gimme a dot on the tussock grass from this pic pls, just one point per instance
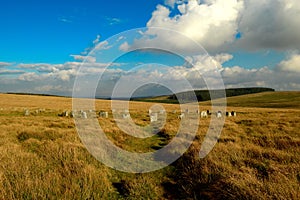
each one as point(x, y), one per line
point(256, 157)
point(286, 100)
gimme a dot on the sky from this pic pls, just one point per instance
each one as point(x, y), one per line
point(45, 46)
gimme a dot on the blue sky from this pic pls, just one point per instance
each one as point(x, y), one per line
point(42, 43)
point(49, 31)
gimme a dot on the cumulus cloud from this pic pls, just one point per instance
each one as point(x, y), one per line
point(41, 67)
point(223, 57)
point(95, 44)
point(51, 88)
point(270, 24)
point(292, 64)
point(102, 46)
point(201, 74)
point(261, 24)
point(63, 72)
point(11, 72)
point(263, 77)
point(205, 63)
point(65, 75)
point(210, 23)
point(5, 64)
point(90, 59)
point(170, 3)
point(30, 76)
point(124, 47)
point(229, 25)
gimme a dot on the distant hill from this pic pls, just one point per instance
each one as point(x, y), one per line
point(290, 100)
point(204, 95)
point(271, 99)
point(35, 94)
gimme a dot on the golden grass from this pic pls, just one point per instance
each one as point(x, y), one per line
point(42, 157)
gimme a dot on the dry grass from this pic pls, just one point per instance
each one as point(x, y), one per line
point(257, 156)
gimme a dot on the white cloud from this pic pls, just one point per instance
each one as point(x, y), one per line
point(45, 71)
point(96, 43)
point(50, 88)
point(270, 24)
point(292, 64)
point(205, 67)
point(60, 81)
point(124, 47)
point(64, 20)
point(113, 20)
point(260, 24)
point(64, 72)
point(5, 64)
point(65, 75)
point(120, 38)
point(89, 59)
point(97, 40)
point(263, 24)
point(49, 68)
point(30, 76)
point(11, 72)
point(170, 3)
point(212, 24)
point(102, 46)
point(223, 57)
point(41, 67)
point(263, 77)
point(205, 63)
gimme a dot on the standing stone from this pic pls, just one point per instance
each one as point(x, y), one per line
point(26, 113)
point(84, 115)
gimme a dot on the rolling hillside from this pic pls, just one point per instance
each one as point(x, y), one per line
point(203, 95)
point(289, 100)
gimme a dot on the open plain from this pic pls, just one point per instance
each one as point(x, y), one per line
point(256, 157)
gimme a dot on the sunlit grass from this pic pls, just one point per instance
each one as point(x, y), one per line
point(42, 157)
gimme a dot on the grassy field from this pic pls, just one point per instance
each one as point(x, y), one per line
point(256, 157)
point(205, 95)
point(267, 100)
